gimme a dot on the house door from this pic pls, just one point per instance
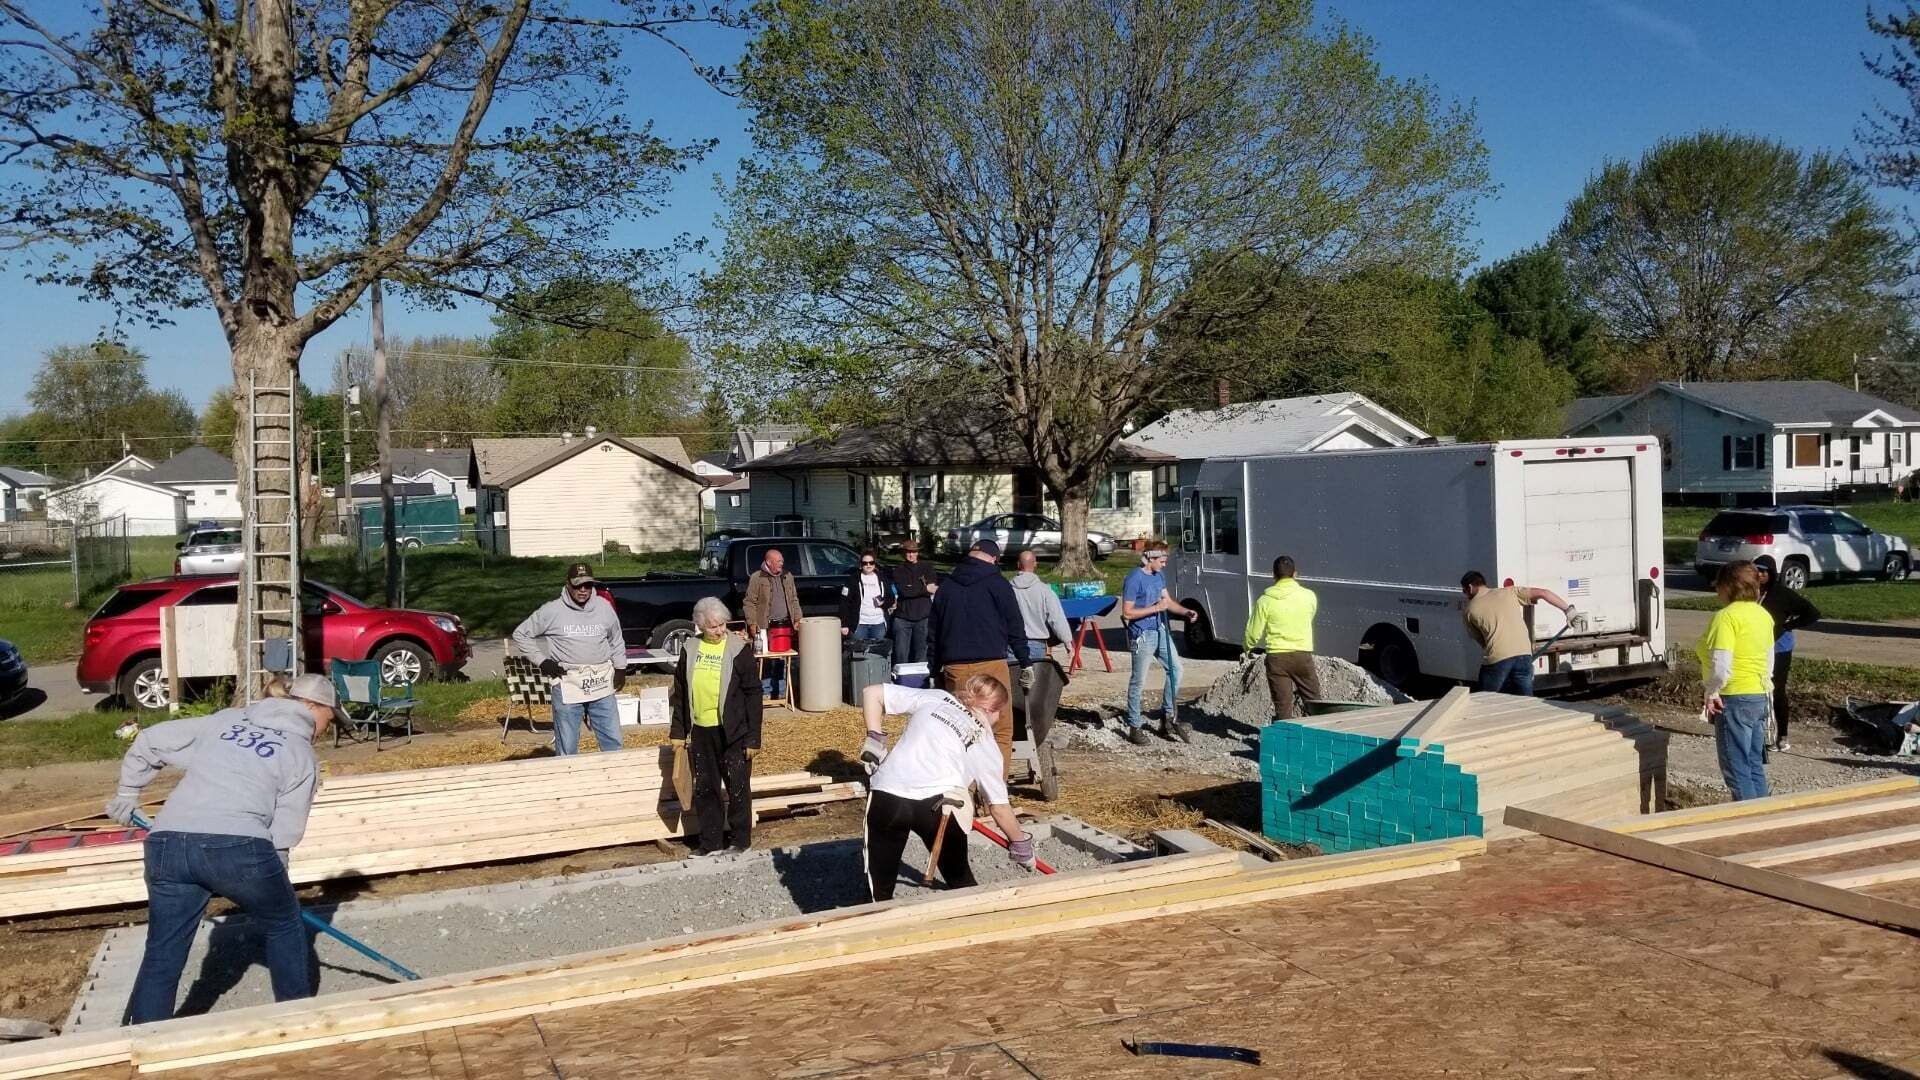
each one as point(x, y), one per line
point(1853, 455)
point(1027, 492)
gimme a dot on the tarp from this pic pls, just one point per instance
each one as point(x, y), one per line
point(433, 519)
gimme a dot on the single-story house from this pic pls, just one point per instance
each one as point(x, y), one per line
point(23, 492)
point(732, 503)
point(1317, 422)
point(150, 509)
point(444, 469)
point(205, 477)
point(1751, 442)
point(402, 489)
point(130, 465)
point(867, 481)
point(574, 494)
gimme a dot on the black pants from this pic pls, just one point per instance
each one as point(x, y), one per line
point(722, 795)
point(1782, 664)
point(890, 820)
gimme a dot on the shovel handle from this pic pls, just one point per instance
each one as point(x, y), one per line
point(993, 834)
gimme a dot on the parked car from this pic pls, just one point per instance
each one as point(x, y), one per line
point(656, 610)
point(209, 550)
point(1801, 543)
point(13, 673)
point(715, 548)
point(120, 653)
point(1015, 531)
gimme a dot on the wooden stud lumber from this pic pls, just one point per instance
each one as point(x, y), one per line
point(1807, 893)
point(1723, 811)
point(1833, 845)
point(1785, 819)
point(1426, 727)
point(1884, 874)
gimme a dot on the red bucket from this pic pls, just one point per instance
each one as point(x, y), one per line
point(779, 639)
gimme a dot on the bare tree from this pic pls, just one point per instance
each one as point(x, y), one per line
point(269, 159)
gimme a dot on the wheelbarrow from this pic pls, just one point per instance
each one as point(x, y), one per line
point(1036, 698)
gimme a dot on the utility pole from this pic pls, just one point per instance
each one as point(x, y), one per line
point(389, 534)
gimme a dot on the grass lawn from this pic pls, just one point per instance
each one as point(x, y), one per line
point(1817, 685)
point(1854, 601)
point(38, 612)
point(1898, 518)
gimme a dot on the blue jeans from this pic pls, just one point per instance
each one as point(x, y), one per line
point(1036, 650)
point(602, 713)
point(776, 678)
point(1740, 734)
point(869, 632)
point(909, 641)
point(1514, 675)
point(184, 870)
point(1155, 644)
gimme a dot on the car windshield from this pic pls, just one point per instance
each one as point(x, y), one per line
point(1736, 523)
point(214, 538)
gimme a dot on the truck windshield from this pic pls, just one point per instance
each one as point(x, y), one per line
point(1735, 523)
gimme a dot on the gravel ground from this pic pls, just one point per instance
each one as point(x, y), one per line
point(1823, 756)
point(224, 970)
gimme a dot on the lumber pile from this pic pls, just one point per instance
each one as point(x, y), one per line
point(384, 823)
point(1073, 901)
point(1435, 769)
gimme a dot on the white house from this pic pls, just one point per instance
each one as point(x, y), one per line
point(574, 494)
point(444, 469)
point(150, 510)
point(752, 443)
point(868, 481)
point(1316, 422)
point(23, 492)
point(130, 465)
point(205, 477)
point(1751, 442)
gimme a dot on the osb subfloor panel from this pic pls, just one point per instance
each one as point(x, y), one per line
point(1540, 960)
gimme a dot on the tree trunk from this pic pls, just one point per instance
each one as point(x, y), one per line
point(1074, 562)
point(389, 531)
point(266, 461)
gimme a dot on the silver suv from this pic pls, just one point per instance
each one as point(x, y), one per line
point(1801, 542)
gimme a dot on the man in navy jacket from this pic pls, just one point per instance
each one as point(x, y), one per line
point(976, 626)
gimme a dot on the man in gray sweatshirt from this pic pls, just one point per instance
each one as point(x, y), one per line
point(575, 640)
point(226, 830)
point(1042, 616)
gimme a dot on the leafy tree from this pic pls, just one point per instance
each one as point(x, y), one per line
point(87, 398)
point(268, 160)
point(1011, 198)
point(220, 421)
point(1712, 250)
point(627, 374)
point(1891, 136)
point(441, 389)
point(1528, 297)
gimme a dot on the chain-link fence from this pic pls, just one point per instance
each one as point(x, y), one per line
point(49, 559)
point(102, 555)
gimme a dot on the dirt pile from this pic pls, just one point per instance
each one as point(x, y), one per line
point(1242, 693)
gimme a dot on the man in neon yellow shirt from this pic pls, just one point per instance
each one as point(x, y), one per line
point(1282, 626)
point(716, 716)
point(1736, 670)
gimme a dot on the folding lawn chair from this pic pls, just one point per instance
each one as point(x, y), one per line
point(369, 702)
point(525, 686)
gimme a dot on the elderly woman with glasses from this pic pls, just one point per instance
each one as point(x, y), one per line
point(716, 716)
point(866, 600)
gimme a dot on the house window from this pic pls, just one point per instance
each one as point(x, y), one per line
point(1807, 453)
point(733, 500)
point(923, 487)
point(853, 490)
point(806, 487)
point(1743, 453)
point(1896, 447)
point(1114, 493)
point(1165, 479)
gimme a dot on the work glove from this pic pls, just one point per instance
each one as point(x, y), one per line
point(678, 744)
point(874, 750)
point(619, 678)
point(124, 804)
point(1576, 619)
point(551, 668)
point(1021, 852)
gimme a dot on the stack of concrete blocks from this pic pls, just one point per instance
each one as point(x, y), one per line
point(1347, 792)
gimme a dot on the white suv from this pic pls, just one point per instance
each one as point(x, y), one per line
point(1801, 542)
point(209, 551)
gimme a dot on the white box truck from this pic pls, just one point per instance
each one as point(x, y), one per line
point(1383, 537)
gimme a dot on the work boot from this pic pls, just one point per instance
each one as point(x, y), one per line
point(1176, 729)
point(1138, 735)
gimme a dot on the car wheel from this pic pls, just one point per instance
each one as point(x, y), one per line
point(403, 663)
point(409, 542)
point(1794, 575)
point(1895, 568)
point(143, 687)
point(672, 636)
point(1093, 552)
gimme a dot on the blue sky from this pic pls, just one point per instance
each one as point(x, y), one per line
point(1558, 86)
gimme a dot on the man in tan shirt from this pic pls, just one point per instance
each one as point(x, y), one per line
point(1497, 619)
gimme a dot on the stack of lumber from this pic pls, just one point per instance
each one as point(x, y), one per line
point(384, 823)
point(1073, 901)
point(1434, 769)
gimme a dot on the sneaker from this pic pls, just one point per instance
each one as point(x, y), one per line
point(1138, 736)
point(739, 849)
point(1176, 729)
point(1782, 746)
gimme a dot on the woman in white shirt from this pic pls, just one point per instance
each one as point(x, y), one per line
point(866, 600)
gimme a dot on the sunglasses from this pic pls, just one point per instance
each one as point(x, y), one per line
point(866, 562)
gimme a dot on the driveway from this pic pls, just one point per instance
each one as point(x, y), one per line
point(1889, 644)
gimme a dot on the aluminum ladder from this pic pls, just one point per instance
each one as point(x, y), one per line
point(270, 594)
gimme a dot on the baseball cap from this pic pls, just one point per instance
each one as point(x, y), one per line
point(987, 547)
point(580, 574)
point(319, 690)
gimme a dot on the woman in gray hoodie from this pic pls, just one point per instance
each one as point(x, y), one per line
point(226, 830)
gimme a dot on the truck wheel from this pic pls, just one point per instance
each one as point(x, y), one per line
point(1386, 652)
point(1200, 639)
point(1895, 568)
point(671, 635)
point(143, 687)
point(1794, 574)
point(403, 663)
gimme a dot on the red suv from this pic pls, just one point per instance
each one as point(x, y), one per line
point(121, 654)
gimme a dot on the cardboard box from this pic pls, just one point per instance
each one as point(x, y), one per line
point(647, 709)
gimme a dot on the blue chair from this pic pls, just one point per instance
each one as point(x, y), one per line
point(369, 702)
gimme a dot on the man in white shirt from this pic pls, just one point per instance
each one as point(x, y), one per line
point(947, 746)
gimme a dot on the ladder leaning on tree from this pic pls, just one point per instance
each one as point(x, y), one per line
point(270, 530)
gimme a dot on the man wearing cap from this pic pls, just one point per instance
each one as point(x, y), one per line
point(576, 641)
point(976, 626)
point(226, 830)
point(1145, 606)
point(914, 583)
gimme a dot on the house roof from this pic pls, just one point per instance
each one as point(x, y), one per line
point(447, 461)
point(893, 448)
point(127, 464)
point(1276, 426)
point(119, 478)
point(1582, 411)
point(194, 465)
point(25, 477)
point(1784, 402)
point(733, 483)
point(495, 461)
point(372, 491)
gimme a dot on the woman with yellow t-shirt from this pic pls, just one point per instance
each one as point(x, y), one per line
point(1736, 666)
point(716, 715)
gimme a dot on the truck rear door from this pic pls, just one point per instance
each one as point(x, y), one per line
point(1580, 542)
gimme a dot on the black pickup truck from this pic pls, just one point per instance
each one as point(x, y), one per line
point(656, 610)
